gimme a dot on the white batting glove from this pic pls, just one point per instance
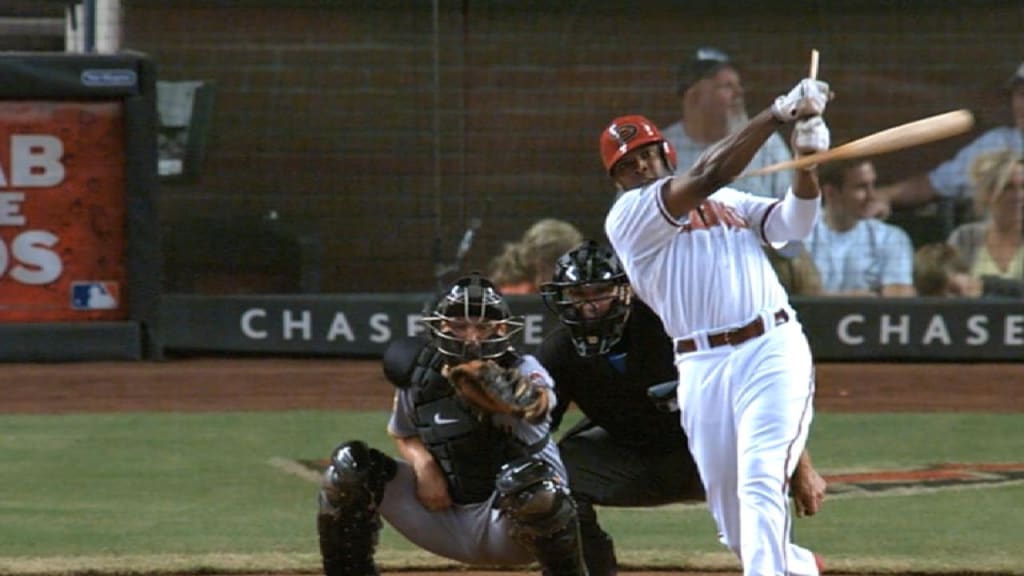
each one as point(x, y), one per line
point(810, 135)
point(808, 98)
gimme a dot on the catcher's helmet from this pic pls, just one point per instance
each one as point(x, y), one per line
point(472, 321)
point(627, 133)
point(592, 297)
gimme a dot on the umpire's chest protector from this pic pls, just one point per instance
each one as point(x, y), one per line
point(469, 449)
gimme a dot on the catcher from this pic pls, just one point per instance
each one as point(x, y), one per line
point(480, 480)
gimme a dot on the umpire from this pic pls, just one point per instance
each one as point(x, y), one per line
point(627, 450)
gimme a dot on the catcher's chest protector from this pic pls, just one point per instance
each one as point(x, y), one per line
point(470, 450)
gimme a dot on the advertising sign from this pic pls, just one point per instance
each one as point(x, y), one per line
point(62, 211)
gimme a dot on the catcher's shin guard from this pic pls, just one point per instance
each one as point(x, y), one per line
point(349, 520)
point(543, 515)
point(598, 548)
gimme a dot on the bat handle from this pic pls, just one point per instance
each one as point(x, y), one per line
point(812, 72)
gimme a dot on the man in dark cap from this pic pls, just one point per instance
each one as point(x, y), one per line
point(710, 93)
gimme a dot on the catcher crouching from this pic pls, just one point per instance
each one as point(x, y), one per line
point(480, 480)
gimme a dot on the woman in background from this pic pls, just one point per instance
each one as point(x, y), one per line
point(995, 245)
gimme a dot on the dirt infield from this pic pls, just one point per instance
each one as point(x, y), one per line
point(288, 384)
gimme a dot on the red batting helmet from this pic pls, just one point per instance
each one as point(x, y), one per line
point(627, 133)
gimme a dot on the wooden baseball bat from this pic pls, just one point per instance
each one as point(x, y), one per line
point(899, 137)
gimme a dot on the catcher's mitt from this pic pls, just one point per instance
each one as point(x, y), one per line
point(496, 390)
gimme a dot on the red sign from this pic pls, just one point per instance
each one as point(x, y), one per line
point(62, 212)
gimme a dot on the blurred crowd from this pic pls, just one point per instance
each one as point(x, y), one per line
point(863, 243)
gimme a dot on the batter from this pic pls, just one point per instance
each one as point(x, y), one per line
point(693, 249)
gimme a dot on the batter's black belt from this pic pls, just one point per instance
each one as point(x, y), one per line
point(736, 336)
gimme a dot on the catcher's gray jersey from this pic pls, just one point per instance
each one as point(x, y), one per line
point(471, 533)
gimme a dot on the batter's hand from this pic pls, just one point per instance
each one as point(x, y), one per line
point(808, 490)
point(431, 486)
point(810, 135)
point(808, 98)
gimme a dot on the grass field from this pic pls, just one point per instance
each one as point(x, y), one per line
point(201, 491)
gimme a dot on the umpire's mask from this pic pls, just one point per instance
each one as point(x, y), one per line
point(591, 295)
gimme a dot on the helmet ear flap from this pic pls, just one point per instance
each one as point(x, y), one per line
point(669, 154)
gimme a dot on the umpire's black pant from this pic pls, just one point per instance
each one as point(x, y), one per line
point(608, 472)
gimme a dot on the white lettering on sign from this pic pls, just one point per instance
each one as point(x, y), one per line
point(937, 331)
point(533, 329)
point(33, 261)
point(290, 323)
point(977, 329)
point(845, 327)
point(248, 318)
point(10, 209)
point(414, 326)
point(380, 326)
point(1014, 330)
point(340, 327)
point(898, 326)
point(35, 162)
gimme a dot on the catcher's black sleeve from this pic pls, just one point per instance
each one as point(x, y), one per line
point(401, 358)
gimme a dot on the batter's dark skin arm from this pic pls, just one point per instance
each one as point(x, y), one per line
point(808, 487)
point(719, 166)
point(805, 184)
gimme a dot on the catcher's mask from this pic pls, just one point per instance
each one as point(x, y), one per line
point(591, 295)
point(472, 321)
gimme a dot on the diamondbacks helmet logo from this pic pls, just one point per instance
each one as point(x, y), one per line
point(627, 133)
point(472, 321)
point(592, 297)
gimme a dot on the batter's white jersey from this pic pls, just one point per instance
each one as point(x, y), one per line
point(746, 408)
point(704, 272)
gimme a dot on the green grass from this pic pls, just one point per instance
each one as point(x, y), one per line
point(185, 491)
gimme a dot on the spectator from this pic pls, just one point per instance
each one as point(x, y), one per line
point(524, 265)
point(995, 246)
point(710, 94)
point(797, 271)
point(510, 272)
point(940, 270)
point(858, 256)
point(950, 179)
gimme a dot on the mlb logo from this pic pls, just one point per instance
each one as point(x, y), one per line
point(94, 295)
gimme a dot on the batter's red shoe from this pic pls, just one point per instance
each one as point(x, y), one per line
point(820, 562)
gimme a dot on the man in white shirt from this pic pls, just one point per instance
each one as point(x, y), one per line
point(710, 91)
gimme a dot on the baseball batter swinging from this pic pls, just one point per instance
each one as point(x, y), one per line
point(693, 248)
point(481, 481)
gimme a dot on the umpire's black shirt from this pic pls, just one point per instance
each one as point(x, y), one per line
point(617, 400)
